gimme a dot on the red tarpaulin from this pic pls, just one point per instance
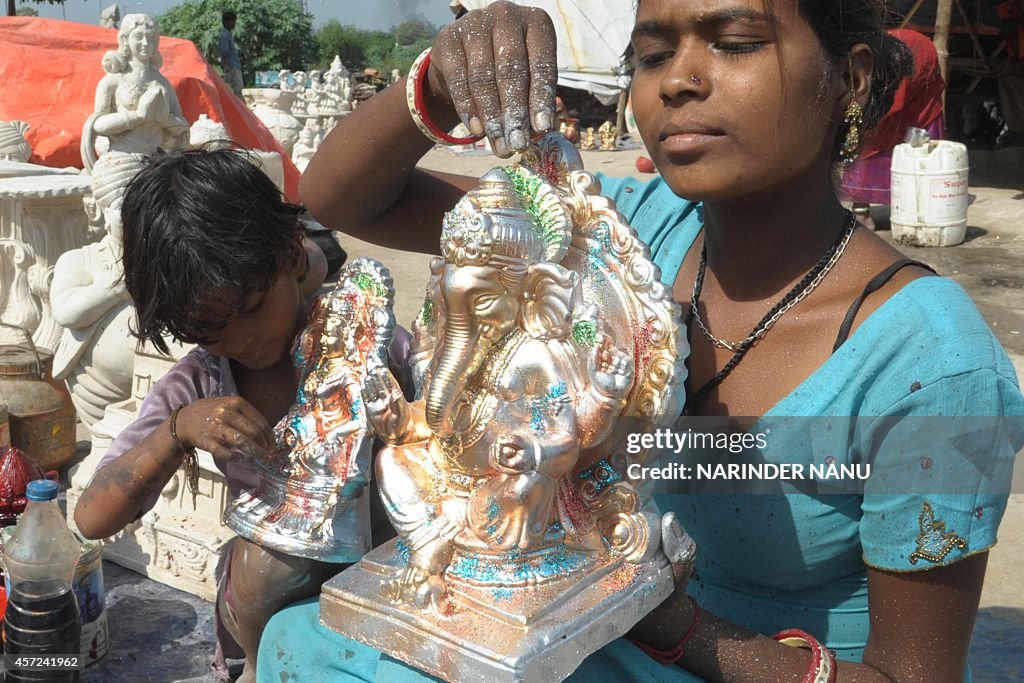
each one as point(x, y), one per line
point(49, 70)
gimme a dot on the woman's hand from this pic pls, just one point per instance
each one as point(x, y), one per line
point(667, 623)
point(497, 66)
point(229, 427)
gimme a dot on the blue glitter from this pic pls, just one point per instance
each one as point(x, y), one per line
point(403, 551)
point(503, 594)
point(602, 473)
point(517, 568)
point(541, 407)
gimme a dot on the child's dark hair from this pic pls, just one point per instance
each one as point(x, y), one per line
point(227, 17)
point(198, 225)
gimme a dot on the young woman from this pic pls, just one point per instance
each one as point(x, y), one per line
point(747, 107)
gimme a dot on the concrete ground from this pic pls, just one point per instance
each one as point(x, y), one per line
point(175, 640)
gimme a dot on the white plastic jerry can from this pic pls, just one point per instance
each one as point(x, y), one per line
point(929, 193)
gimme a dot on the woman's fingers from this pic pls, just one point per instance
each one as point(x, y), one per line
point(678, 546)
point(542, 52)
point(449, 59)
point(512, 73)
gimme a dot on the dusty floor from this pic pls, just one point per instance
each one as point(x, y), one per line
point(160, 634)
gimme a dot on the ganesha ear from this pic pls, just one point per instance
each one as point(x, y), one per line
point(549, 296)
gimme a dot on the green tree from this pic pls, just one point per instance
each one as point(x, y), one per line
point(410, 32)
point(270, 34)
point(27, 11)
point(355, 46)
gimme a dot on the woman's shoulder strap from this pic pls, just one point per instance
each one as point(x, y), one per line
point(873, 285)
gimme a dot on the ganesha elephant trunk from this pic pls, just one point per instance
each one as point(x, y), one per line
point(459, 358)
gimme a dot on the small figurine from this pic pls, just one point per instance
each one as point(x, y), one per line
point(609, 136)
point(311, 499)
point(588, 143)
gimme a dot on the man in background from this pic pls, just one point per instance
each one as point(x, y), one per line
point(229, 62)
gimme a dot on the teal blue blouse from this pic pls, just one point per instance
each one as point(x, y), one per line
point(896, 394)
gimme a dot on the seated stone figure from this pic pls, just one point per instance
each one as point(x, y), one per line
point(136, 109)
point(88, 297)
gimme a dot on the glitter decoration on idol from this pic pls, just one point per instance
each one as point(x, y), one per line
point(523, 544)
point(312, 498)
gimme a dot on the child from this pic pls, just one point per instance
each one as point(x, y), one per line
point(748, 107)
point(212, 256)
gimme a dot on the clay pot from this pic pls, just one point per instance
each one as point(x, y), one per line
point(42, 419)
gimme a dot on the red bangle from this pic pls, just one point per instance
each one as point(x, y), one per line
point(416, 99)
point(823, 662)
point(672, 656)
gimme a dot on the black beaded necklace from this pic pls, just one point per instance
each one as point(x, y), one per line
point(811, 280)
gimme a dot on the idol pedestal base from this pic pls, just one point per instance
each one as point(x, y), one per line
point(496, 634)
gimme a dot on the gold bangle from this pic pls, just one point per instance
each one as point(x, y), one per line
point(191, 461)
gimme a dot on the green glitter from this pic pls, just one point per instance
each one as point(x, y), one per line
point(369, 284)
point(584, 332)
point(528, 187)
point(427, 311)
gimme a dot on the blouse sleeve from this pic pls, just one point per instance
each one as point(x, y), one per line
point(941, 463)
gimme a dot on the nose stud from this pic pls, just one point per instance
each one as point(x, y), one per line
point(697, 80)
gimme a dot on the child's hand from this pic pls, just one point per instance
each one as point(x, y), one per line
point(229, 427)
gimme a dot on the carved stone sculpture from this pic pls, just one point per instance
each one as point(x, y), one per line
point(507, 480)
point(89, 299)
point(110, 16)
point(40, 218)
point(137, 110)
point(13, 145)
point(306, 146)
point(273, 108)
point(284, 77)
point(311, 500)
point(299, 108)
point(208, 134)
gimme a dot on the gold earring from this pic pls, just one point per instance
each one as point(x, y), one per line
point(853, 120)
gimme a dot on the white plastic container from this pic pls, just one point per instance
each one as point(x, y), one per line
point(929, 193)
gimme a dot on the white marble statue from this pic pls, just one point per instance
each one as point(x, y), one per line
point(273, 108)
point(299, 86)
point(284, 77)
point(306, 146)
point(110, 16)
point(137, 109)
point(88, 297)
point(312, 92)
point(13, 145)
point(208, 134)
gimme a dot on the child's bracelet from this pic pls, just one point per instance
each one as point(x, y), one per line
point(415, 88)
point(191, 461)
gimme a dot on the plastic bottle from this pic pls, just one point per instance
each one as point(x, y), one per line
point(42, 617)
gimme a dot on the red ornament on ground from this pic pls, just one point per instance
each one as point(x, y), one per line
point(644, 165)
